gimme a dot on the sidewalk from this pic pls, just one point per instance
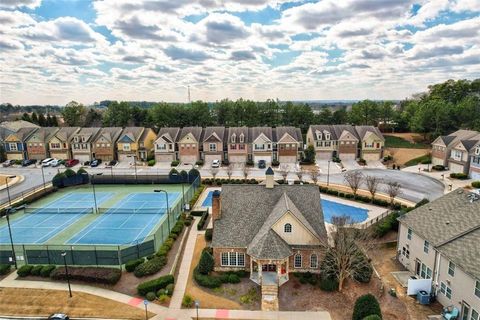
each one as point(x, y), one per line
point(442, 176)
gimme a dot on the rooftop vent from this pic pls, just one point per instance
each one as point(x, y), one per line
point(473, 197)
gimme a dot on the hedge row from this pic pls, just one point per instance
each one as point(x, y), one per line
point(150, 267)
point(364, 199)
point(476, 184)
point(132, 264)
point(37, 270)
point(459, 176)
point(154, 285)
point(5, 269)
point(88, 274)
point(219, 182)
point(208, 234)
point(202, 221)
point(196, 195)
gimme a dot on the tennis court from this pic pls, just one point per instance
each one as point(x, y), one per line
point(41, 224)
point(129, 221)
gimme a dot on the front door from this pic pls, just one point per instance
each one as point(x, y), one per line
point(417, 267)
point(465, 310)
point(269, 267)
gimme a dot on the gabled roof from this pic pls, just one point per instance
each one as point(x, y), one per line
point(212, 134)
point(195, 131)
point(110, 134)
point(238, 131)
point(44, 133)
point(339, 129)
point(170, 135)
point(469, 144)
point(363, 130)
point(295, 133)
point(132, 133)
point(458, 135)
point(23, 133)
point(255, 132)
point(66, 133)
point(447, 139)
point(322, 129)
point(14, 126)
point(269, 246)
point(257, 208)
point(145, 134)
point(87, 132)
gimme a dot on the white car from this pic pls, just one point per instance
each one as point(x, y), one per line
point(216, 164)
point(55, 163)
point(47, 162)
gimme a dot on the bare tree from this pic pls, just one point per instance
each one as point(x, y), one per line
point(394, 189)
point(354, 180)
point(214, 172)
point(372, 185)
point(284, 170)
point(314, 174)
point(230, 171)
point(246, 172)
point(300, 173)
point(345, 256)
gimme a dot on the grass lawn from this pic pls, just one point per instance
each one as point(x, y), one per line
point(43, 302)
point(398, 142)
point(422, 159)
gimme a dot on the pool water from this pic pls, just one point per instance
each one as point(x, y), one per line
point(330, 209)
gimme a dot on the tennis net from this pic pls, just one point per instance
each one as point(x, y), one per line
point(33, 210)
point(132, 210)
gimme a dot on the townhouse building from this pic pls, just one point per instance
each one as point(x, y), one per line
point(105, 144)
point(372, 142)
point(262, 141)
point(60, 144)
point(461, 154)
point(38, 143)
point(439, 241)
point(15, 143)
point(136, 143)
point(82, 144)
point(213, 145)
point(189, 144)
point(288, 144)
point(442, 145)
point(475, 162)
point(166, 145)
point(238, 145)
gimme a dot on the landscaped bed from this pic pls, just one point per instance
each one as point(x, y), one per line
point(42, 302)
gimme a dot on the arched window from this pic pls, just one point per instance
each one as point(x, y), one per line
point(287, 228)
point(313, 261)
point(297, 263)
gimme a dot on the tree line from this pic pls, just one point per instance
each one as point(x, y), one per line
point(40, 119)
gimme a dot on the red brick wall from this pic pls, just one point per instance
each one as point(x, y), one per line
point(216, 208)
point(306, 253)
point(284, 151)
point(217, 256)
point(347, 148)
point(191, 151)
point(438, 154)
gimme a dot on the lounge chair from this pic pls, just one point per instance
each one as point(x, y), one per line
point(450, 313)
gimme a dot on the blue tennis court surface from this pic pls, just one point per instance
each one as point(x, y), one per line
point(43, 224)
point(130, 221)
point(335, 209)
point(208, 200)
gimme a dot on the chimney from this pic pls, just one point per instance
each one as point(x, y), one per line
point(269, 178)
point(216, 209)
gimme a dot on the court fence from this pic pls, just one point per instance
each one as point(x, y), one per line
point(100, 255)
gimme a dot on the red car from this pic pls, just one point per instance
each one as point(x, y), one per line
point(71, 163)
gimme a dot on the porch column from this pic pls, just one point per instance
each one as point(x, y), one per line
point(279, 271)
point(259, 267)
point(251, 265)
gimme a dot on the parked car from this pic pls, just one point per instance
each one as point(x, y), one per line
point(216, 163)
point(71, 163)
point(59, 316)
point(56, 162)
point(112, 163)
point(8, 163)
point(262, 164)
point(47, 162)
point(95, 163)
point(28, 162)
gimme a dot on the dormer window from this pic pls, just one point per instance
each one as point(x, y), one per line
point(477, 151)
point(319, 135)
point(242, 138)
point(287, 228)
point(327, 136)
point(234, 138)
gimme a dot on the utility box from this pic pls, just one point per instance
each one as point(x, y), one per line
point(423, 297)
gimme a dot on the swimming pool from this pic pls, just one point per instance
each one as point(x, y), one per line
point(335, 209)
point(330, 209)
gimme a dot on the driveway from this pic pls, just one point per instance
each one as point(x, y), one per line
point(323, 166)
point(351, 164)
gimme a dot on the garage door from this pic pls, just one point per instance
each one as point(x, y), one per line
point(437, 162)
point(371, 156)
point(268, 159)
point(347, 156)
point(188, 159)
point(14, 156)
point(59, 155)
point(455, 167)
point(237, 159)
point(164, 158)
point(210, 157)
point(82, 157)
point(475, 175)
point(124, 158)
point(324, 155)
point(287, 159)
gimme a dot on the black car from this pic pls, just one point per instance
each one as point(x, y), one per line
point(28, 162)
point(95, 163)
point(262, 164)
point(58, 316)
point(112, 163)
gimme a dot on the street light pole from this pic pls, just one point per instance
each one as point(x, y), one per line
point(7, 215)
point(135, 167)
point(8, 189)
point(197, 305)
point(183, 190)
point(168, 208)
point(43, 176)
point(328, 173)
point(64, 255)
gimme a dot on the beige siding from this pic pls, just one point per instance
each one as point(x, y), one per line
point(299, 235)
point(415, 246)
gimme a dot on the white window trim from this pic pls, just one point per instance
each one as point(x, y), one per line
point(409, 234)
point(451, 267)
point(295, 261)
point(313, 255)
point(14, 144)
point(287, 228)
point(232, 256)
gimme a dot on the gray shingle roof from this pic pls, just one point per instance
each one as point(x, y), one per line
point(322, 129)
point(111, 134)
point(363, 130)
point(255, 132)
point(209, 131)
point(269, 246)
point(195, 131)
point(44, 133)
point(469, 144)
point(339, 129)
point(292, 131)
point(133, 133)
point(23, 133)
point(249, 211)
point(458, 135)
point(171, 134)
point(87, 132)
point(66, 133)
point(238, 131)
point(17, 125)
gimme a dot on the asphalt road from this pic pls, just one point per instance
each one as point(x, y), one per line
point(415, 186)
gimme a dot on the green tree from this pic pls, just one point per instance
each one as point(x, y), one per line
point(365, 112)
point(309, 154)
point(26, 117)
point(93, 118)
point(74, 114)
point(42, 122)
point(34, 118)
point(54, 121)
point(340, 116)
point(206, 263)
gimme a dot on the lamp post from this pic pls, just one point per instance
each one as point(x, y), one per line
point(168, 208)
point(197, 305)
point(43, 176)
point(64, 255)
point(7, 216)
point(8, 189)
point(145, 302)
point(183, 190)
point(328, 173)
point(93, 187)
point(135, 166)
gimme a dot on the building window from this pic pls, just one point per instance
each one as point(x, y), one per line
point(224, 259)
point(233, 138)
point(242, 138)
point(475, 315)
point(233, 147)
point(451, 268)
point(313, 261)
point(425, 272)
point(259, 147)
point(426, 245)
point(233, 259)
point(287, 228)
point(457, 155)
point(477, 288)
point(161, 146)
point(212, 147)
point(406, 252)
point(13, 147)
point(297, 261)
point(126, 147)
point(446, 290)
point(241, 260)
point(409, 234)
point(241, 147)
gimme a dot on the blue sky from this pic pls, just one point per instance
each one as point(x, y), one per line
point(57, 51)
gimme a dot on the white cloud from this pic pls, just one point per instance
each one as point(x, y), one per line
point(13, 4)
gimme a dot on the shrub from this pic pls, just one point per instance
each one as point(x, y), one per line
point(174, 163)
point(438, 167)
point(188, 222)
point(88, 274)
point(328, 283)
point(150, 267)
point(187, 301)
point(24, 270)
point(57, 180)
point(365, 306)
point(202, 221)
point(161, 292)
point(47, 270)
point(388, 223)
point(5, 269)
point(476, 184)
point(154, 285)
point(36, 270)
point(151, 163)
point(70, 173)
point(150, 296)
point(459, 176)
point(205, 280)
point(372, 317)
point(163, 298)
point(132, 264)
point(250, 163)
point(233, 278)
point(169, 289)
point(422, 202)
point(206, 263)
point(275, 163)
point(208, 234)
point(199, 163)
